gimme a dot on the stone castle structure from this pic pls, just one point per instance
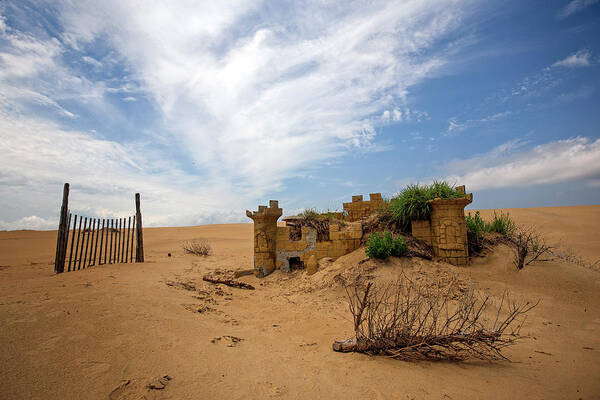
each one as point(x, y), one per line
point(276, 247)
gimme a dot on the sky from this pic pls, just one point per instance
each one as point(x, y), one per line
point(211, 108)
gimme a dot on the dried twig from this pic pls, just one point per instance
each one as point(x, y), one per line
point(228, 282)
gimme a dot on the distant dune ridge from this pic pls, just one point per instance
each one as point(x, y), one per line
point(156, 329)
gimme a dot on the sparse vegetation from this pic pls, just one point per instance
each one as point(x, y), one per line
point(413, 202)
point(529, 246)
point(411, 321)
point(502, 224)
point(477, 227)
point(197, 247)
point(317, 220)
point(382, 245)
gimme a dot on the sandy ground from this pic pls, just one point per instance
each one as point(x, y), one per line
point(110, 331)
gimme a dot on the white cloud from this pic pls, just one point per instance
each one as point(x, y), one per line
point(30, 222)
point(37, 158)
point(574, 6)
point(303, 79)
point(583, 58)
point(255, 95)
point(129, 99)
point(510, 165)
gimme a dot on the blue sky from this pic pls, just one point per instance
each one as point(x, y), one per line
point(210, 109)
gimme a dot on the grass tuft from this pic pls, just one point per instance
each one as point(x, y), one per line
point(413, 202)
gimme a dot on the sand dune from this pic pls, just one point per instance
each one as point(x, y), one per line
point(115, 331)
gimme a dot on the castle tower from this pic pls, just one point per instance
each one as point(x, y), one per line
point(446, 230)
point(265, 237)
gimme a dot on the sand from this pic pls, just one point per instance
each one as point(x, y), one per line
point(111, 331)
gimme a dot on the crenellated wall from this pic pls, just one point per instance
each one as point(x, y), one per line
point(360, 208)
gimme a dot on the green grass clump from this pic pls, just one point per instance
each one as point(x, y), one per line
point(382, 245)
point(502, 224)
point(477, 227)
point(413, 202)
point(476, 223)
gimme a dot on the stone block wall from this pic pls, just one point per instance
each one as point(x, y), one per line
point(360, 208)
point(422, 230)
point(449, 230)
point(342, 240)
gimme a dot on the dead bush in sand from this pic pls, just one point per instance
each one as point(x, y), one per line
point(410, 321)
point(528, 246)
point(197, 247)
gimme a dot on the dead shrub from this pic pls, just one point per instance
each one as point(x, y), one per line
point(529, 246)
point(197, 247)
point(411, 321)
point(312, 219)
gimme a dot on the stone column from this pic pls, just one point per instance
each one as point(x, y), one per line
point(449, 230)
point(265, 237)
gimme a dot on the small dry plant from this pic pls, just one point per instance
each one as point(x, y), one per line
point(529, 246)
point(411, 321)
point(197, 247)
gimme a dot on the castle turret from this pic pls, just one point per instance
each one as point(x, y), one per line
point(265, 237)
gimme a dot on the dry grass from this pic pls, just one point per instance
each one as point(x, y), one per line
point(197, 247)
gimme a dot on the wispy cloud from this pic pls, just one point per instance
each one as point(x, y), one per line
point(253, 94)
point(582, 58)
point(574, 6)
point(455, 126)
point(513, 165)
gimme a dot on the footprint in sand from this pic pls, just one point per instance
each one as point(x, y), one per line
point(137, 389)
point(233, 341)
point(96, 368)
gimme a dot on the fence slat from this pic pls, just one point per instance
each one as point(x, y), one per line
point(116, 246)
point(87, 243)
point(72, 241)
point(122, 242)
point(59, 263)
point(82, 244)
point(93, 232)
point(132, 236)
point(77, 245)
point(106, 243)
point(119, 241)
point(96, 244)
point(139, 255)
point(66, 243)
point(101, 243)
point(113, 241)
point(128, 231)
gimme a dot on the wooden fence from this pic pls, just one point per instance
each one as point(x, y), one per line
point(85, 241)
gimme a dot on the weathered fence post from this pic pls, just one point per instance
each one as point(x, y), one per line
point(61, 242)
point(139, 254)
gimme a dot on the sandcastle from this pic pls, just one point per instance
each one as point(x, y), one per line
point(276, 247)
